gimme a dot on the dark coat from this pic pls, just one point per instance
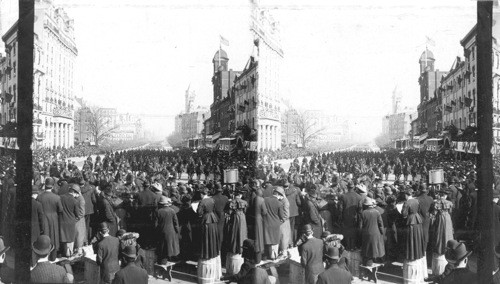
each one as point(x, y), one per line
point(293, 196)
point(425, 202)
point(312, 216)
point(67, 220)
point(46, 272)
point(311, 258)
point(52, 207)
point(38, 220)
point(220, 203)
point(460, 276)
point(372, 234)
point(107, 214)
point(90, 195)
point(335, 274)
point(350, 201)
point(167, 226)
point(272, 220)
point(259, 209)
point(63, 188)
point(107, 257)
point(210, 246)
point(131, 274)
point(249, 274)
point(414, 233)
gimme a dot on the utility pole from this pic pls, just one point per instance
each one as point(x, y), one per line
point(485, 246)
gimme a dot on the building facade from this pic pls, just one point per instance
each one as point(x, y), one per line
point(54, 64)
point(245, 95)
point(9, 99)
point(222, 117)
point(289, 132)
point(270, 56)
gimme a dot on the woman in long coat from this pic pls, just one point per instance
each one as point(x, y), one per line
point(372, 233)
point(188, 223)
point(442, 226)
point(259, 210)
point(414, 232)
point(209, 231)
point(236, 228)
point(167, 226)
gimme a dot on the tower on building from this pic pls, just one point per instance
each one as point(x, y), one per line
point(397, 95)
point(220, 61)
point(426, 61)
point(190, 97)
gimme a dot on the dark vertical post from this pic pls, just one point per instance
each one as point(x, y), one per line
point(485, 126)
point(24, 163)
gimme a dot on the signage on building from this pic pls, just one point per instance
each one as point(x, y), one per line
point(465, 147)
point(9, 143)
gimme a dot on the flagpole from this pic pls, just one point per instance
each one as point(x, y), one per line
point(220, 47)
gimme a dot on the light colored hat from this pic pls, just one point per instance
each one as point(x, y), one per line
point(165, 201)
point(361, 187)
point(157, 186)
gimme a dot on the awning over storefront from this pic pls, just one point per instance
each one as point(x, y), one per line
point(215, 137)
point(423, 137)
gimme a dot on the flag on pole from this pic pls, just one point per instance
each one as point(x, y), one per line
point(430, 41)
point(224, 41)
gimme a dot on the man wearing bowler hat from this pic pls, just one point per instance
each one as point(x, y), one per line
point(249, 273)
point(107, 253)
point(130, 273)
point(45, 271)
point(334, 273)
point(311, 255)
point(457, 255)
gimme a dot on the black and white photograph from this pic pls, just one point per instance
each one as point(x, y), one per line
point(249, 141)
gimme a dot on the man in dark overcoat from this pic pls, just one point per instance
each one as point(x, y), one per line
point(311, 213)
point(52, 207)
point(350, 201)
point(220, 203)
point(147, 202)
point(106, 211)
point(38, 223)
point(107, 253)
point(45, 271)
point(311, 255)
point(130, 273)
point(293, 196)
point(90, 195)
point(425, 202)
point(68, 219)
point(272, 222)
point(334, 273)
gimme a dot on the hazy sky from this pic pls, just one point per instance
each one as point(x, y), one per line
point(343, 56)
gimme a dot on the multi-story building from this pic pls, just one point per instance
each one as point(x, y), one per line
point(245, 95)
point(8, 108)
point(269, 56)
point(54, 63)
point(127, 128)
point(289, 132)
point(193, 124)
point(459, 88)
point(330, 128)
point(428, 122)
point(222, 118)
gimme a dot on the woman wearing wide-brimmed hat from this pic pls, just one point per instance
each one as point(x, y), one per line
point(442, 225)
point(167, 226)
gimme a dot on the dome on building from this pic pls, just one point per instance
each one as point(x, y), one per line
point(429, 55)
point(223, 55)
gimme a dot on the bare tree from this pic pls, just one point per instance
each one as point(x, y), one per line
point(101, 126)
point(307, 128)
